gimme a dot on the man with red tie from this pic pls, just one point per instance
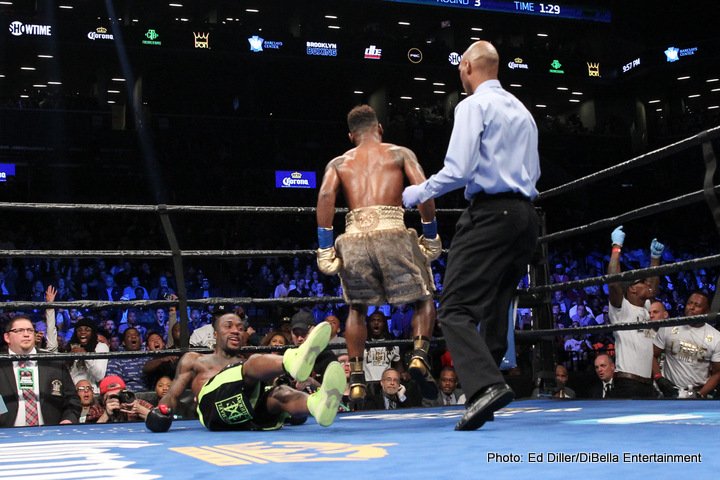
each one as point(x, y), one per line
point(35, 393)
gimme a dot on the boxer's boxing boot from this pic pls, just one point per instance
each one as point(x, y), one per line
point(299, 362)
point(358, 386)
point(419, 368)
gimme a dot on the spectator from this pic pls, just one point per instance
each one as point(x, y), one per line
point(162, 288)
point(275, 338)
point(162, 385)
point(115, 343)
point(90, 409)
point(561, 388)
point(159, 322)
point(203, 337)
point(109, 290)
point(158, 367)
point(283, 288)
point(692, 354)
point(560, 318)
point(35, 393)
point(449, 393)
point(583, 316)
point(379, 359)
point(605, 370)
point(633, 347)
point(658, 311)
point(85, 339)
point(205, 290)
point(392, 394)
point(118, 405)
point(130, 368)
point(131, 291)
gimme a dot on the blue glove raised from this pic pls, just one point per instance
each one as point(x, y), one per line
point(618, 236)
point(413, 195)
point(656, 248)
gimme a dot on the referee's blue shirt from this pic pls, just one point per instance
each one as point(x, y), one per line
point(493, 147)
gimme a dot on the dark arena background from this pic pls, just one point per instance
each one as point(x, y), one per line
point(180, 146)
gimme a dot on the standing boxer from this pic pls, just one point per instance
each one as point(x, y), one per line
point(378, 259)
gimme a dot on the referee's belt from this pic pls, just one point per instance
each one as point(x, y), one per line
point(483, 197)
point(632, 376)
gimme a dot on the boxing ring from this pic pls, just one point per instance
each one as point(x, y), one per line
point(529, 439)
point(533, 437)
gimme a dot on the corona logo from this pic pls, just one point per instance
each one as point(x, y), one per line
point(296, 175)
point(518, 63)
point(100, 33)
point(593, 69)
point(202, 40)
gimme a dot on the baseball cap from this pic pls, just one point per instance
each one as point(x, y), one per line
point(111, 382)
point(303, 320)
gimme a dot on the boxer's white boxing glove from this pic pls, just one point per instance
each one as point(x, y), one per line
point(429, 242)
point(328, 261)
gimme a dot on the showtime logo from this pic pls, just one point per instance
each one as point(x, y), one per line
point(19, 28)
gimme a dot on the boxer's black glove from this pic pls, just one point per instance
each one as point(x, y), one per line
point(159, 419)
point(666, 387)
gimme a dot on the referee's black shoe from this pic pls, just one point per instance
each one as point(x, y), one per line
point(484, 404)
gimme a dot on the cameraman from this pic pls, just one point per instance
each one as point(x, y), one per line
point(119, 403)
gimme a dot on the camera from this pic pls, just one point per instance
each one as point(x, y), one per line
point(124, 396)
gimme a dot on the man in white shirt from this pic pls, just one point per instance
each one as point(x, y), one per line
point(633, 374)
point(692, 354)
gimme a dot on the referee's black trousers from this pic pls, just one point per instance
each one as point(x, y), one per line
point(493, 244)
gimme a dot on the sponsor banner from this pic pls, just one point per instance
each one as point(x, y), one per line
point(18, 28)
point(6, 170)
point(322, 49)
point(294, 179)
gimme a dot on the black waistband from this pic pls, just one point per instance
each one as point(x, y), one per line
point(482, 196)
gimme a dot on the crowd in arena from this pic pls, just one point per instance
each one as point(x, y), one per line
point(155, 328)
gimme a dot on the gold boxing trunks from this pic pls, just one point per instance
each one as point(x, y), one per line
point(382, 262)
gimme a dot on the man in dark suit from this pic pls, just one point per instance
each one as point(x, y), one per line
point(109, 290)
point(392, 394)
point(605, 369)
point(34, 392)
